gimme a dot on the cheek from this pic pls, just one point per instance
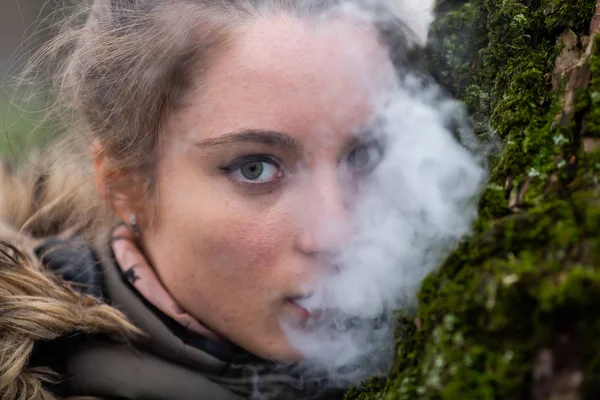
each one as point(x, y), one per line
point(245, 242)
point(213, 246)
point(226, 240)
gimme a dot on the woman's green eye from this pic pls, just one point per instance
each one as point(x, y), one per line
point(256, 171)
point(365, 157)
point(252, 170)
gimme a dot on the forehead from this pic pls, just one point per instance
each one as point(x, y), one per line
point(286, 75)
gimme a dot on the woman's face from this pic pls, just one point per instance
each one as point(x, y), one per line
point(257, 174)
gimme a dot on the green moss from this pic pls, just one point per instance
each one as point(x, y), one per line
point(497, 301)
point(368, 390)
point(562, 14)
point(493, 203)
point(530, 280)
point(503, 72)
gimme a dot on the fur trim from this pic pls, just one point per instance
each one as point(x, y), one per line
point(34, 305)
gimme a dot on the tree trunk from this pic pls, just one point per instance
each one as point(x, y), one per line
point(514, 313)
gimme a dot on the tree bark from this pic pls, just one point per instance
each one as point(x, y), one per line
point(514, 313)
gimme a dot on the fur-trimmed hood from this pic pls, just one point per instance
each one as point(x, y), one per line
point(37, 307)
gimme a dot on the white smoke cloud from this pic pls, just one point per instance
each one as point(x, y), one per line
point(411, 212)
point(417, 14)
point(416, 205)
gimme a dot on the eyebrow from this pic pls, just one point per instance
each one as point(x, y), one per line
point(271, 138)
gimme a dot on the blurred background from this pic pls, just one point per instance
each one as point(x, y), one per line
point(24, 25)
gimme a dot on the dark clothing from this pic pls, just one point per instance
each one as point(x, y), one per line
point(170, 363)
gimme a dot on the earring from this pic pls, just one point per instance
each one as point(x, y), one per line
point(134, 224)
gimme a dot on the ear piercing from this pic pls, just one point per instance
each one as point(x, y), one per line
point(133, 223)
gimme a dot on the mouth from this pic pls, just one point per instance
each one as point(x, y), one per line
point(308, 315)
point(305, 310)
point(311, 318)
point(301, 312)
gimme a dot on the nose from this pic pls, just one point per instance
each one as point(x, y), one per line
point(325, 216)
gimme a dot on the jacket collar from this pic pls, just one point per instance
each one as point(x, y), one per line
point(224, 363)
point(182, 356)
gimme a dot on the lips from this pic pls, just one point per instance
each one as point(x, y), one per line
point(330, 319)
point(310, 310)
point(310, 317)
point(298, 308)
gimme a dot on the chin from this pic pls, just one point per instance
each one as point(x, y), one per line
point(279, 350)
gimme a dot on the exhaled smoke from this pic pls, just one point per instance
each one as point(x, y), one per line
point(411, 211)
point(417, 14)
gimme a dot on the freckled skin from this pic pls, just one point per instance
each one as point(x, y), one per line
point(232, 256)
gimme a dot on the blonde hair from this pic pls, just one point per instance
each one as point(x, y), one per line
point(117, 70)
point(36, 306)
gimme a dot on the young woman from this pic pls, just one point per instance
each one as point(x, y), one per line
point(180, 213)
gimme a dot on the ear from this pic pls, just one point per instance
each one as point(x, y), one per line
point(107, 180)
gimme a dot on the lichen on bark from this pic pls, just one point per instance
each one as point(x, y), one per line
point(514, 312)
